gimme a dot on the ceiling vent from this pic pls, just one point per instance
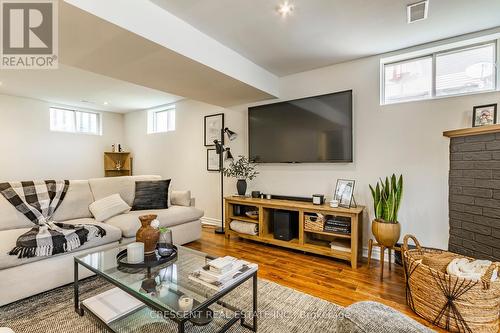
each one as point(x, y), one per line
point(417, 11)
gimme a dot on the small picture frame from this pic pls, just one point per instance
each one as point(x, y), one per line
point(212, 160)
point(344, 191)
point(213, 126)
point(484, 115)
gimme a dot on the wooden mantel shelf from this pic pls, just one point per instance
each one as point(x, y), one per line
point(473, 131)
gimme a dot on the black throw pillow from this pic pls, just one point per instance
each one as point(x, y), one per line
point(151, 195)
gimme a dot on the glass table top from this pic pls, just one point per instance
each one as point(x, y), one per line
point(165, 284)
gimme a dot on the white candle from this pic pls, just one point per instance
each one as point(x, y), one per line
point(334, 203)
point(135, 253)
point(185, 303)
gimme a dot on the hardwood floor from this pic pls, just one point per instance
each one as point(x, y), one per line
point(326, 278)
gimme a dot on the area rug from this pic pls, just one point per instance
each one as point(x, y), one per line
point(280, 309)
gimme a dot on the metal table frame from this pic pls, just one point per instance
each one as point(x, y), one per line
point(172, 315)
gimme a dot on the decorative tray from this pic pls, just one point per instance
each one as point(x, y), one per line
point(151, 260)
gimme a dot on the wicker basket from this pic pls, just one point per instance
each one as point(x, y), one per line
point(314, 223)
point(450, 302)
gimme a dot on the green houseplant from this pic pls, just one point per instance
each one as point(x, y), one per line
point(387, 196)
point(241, 169)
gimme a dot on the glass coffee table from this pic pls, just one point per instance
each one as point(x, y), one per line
point(170, 283)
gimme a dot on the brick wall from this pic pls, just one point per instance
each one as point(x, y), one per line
point(474, 196)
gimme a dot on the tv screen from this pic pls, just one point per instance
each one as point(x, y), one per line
point(307, 130)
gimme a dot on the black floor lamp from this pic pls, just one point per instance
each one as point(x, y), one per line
point(220, 149)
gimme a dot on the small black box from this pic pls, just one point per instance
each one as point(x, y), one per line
point(285, 224)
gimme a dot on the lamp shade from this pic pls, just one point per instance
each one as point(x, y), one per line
point(230, 134)
point(229, 156)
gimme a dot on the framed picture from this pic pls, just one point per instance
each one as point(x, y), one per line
point(214, 124)
point(344, 192)
point(212, 160)
point(484, 115)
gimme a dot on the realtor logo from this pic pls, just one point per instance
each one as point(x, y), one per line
point(29, 34)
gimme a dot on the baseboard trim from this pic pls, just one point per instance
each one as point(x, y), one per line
point(211, 221)
point(376, 254)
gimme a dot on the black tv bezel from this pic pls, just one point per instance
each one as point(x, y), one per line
point(351, 160)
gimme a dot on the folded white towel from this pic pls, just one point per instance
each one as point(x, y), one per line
point(472, 270)
point(245, 227)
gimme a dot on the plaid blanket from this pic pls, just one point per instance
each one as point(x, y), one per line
point(38, 201)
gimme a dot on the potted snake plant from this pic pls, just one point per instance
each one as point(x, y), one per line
point(387, 196)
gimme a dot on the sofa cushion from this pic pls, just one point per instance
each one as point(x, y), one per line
point(151, 194)
point(175, 215)
point(181, 198)
point(108, 207)
point(76, 202)
point(124, 186)
point(10, 217)
point(8, 240)
point(369, 317)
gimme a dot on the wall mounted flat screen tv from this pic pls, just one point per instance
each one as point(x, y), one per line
point(307, 130)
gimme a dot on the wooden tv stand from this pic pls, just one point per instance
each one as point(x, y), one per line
point(317, 242)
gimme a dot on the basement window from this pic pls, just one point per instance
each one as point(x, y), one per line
point(466, 70)
point(408, 80)
point(161, 121)
point(448, 72)
point(73, 121)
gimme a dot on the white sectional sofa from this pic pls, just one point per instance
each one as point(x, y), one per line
point(21, 278)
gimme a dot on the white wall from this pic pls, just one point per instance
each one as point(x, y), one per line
point(29, 150)
point(181, 155)
point(401, 138)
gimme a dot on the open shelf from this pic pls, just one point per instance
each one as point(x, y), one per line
point(246, 236)
point(243, 218)
point(317, 242)
point(324, 248)
point(333, 234)
point(114, 159)
point(270, 237)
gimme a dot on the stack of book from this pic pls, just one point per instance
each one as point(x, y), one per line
point(338, 224)
point(222, 272)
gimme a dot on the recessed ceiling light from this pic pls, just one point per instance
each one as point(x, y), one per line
point(285, 9)
point(105, 103)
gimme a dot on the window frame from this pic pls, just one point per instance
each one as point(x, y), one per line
point(426, 56)
point(433, 55)
point(153, 119)
point(76, 131)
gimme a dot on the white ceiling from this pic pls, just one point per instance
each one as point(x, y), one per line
point(325, 32)
point(128, 43)
point(69, 86)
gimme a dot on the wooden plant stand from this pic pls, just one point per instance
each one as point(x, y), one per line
point(371, 244)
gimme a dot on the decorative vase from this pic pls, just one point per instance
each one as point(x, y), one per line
point(241, 185)
point(147, 234)
point(386, 234)
point(165, 238)
point(165, 244)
